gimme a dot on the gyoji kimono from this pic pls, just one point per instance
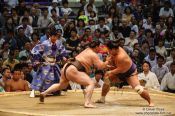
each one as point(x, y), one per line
point(48, 73)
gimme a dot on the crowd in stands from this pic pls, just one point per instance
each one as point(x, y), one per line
point(145, 28)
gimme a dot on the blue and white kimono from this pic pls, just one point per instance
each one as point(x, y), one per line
point(48, 72)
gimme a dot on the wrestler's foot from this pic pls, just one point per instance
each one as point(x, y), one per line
point(151, 105)
point(41, 99)
point(89, 106)
point(100, 101)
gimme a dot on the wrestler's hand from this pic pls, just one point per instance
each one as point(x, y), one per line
point(108, 74)
point(108, 58)
point(110, 67)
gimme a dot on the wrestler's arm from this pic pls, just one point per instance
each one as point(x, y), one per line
point(98, 63)
point(118, 69)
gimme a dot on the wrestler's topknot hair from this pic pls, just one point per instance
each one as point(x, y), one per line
point(113, 44)
point(94, 44)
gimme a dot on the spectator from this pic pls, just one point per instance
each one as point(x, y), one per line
point(96, 35)
point(90, 7)
point(157, 34)
point(102, 26)
point(35, 39)
point(166, 11)
point(12, 3)
point(38, 10)
point(67, 29)
point(149, 77)
point(10, 38)
point(66, 10)
point(54, 16)
point(134, 26)
point(60, 37)
point(45, 36)
point(115, 34)
point(6, 75)
point(168, 63)
point(160, 69)
point(122, 5)
point(26, 51)
point(141, 36)
point(4, 51)
point(15, 16)
point(34, 17)
point(168, 82)
point(131, 40)
point(98, 79)
point(172, 53)
point(147, 23)
point(127, 14)
point(73, 43)
point(80, 27)
point(156, 9)
point(126, 48)
point(113, 20)
point(45, 20)
point(28, 30)
point(124, 28)
point(138, 13)
point(151, 58)
point(93, 16)
point(92, 25)
point(16, 53)
point(26, 15)
point(11, 61)
point(21, 38)
point(136, 59)
point(16, 84)
point(149, 37)
point(21, 8)
point(10, 25)
point(54, 6)
point(81, 15)
point(3, 18)
point(86, 38)
point(25, 69)
point(160, 49)
point(105, 7)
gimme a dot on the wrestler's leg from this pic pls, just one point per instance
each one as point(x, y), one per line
point(57, 86)
point(134, 82)
point(106, 87)
point(82, 79)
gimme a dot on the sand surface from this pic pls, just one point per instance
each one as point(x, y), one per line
point(118, 103)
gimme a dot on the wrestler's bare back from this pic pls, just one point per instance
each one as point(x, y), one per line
point(88, 58)
point(122, 60)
